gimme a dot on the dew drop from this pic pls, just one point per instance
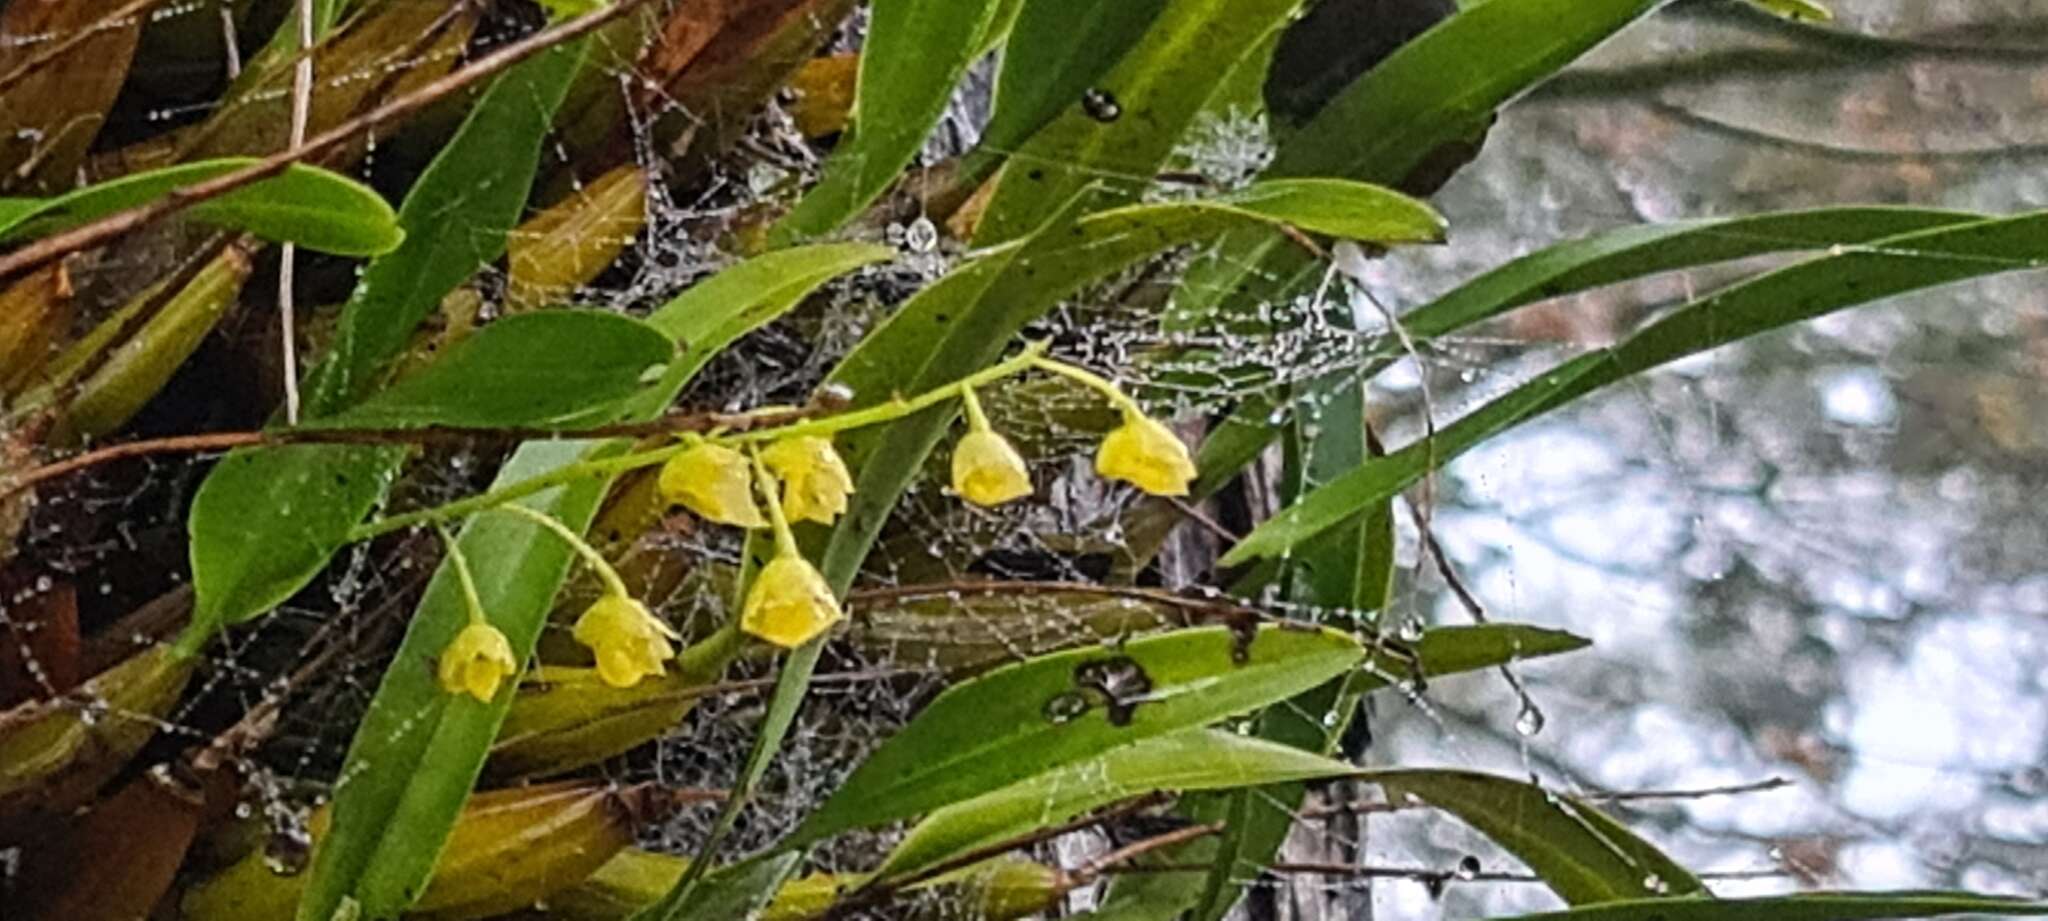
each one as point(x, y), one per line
point(922, 236)
point(1530, 721)
point(1066, 707)
point(1468, 867)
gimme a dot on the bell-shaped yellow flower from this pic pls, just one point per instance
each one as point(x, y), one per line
point(630, 643)
point(715, 482)
point(477, 661)
point(1146, 454)
point(789, 603)
point(987, 470)
point(814, 480)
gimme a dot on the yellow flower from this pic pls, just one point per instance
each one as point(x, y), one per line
point(714, 481)
point(814, 479)
point(987, 470)
point(476, 661)
point(1147, 454)
point(789, 603)
point(629, 642)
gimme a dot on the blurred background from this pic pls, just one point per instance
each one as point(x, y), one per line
point(1820, 556)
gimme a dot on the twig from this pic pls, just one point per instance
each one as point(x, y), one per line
point(287, 260)
point(1629, 796)
point(1086, 873)
point(1604, 796)
point(224, 441)
point(122, 223)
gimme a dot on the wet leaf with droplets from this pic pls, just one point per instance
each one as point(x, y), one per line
point(1584, 856)
point(992, 731)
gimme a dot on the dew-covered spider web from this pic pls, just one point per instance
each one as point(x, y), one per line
point(1811, 565)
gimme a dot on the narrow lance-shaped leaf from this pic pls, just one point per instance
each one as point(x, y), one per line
point(1018, 721)
point(916, 51)
point(1606, 258)
point(1850, 276)
point(266, 521)
point(306, 205)
point(1057, 51)
point(1584, 856)
point(1260, 819)
point(1434, 93)
point(1196, 759)
point(1116, 142)
point(549, 368)
point(418, 751)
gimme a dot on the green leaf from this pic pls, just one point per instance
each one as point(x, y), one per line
point(1428, 98)
point(418, 751)
point(1445, 84)
point(456, 218)
point(1260, 819)
point(738, 891)
point(1606, 258)
point(1024, 719)
point(1804, 906)
point(270, 523)
point(1629, 253)
point(1843, 278)
point(1159, 86)
point(312, 207)
point(1057, 51)
point(266, 521)
point(1584, 856)
point(1197, 759)
point(916, 51)
point(715, 312)
point(543, 368)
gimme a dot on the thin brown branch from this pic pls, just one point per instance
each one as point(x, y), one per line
point(1603, 796)
point(671, 424)
point(1088, 872)
point(121, 223)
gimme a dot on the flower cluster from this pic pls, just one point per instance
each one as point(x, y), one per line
point(773, 477)
point(1142, 451)
point(789, 602)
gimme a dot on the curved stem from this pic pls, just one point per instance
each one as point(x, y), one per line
point(612, 583)
point(463, 576)
point(1030, 357)
point(977, 421)
point(785, 539)
point(1092, 381)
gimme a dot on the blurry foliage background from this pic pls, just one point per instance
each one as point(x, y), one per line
point(1818, 555)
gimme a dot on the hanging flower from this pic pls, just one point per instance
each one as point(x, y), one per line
point(715, 482)
point(814, 480)
point(477, 661)
point(988, 471)
point(789, 603)
point(1145, 453)
point(630, 643)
